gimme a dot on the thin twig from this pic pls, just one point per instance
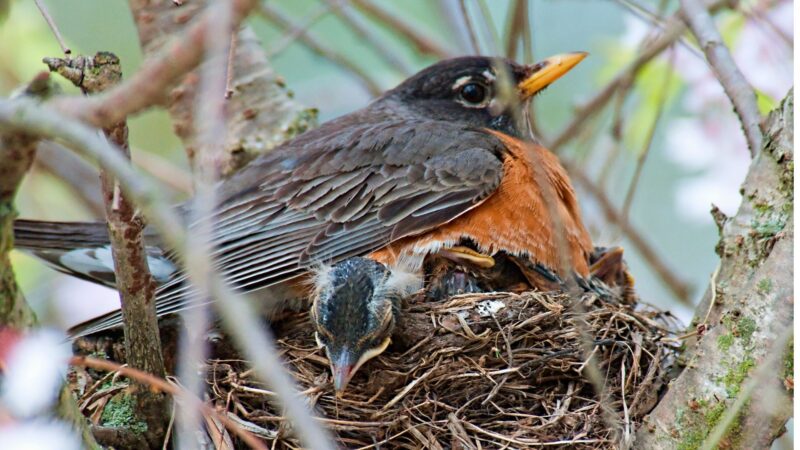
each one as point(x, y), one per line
point(421, 42)
point(339, 8)
point(491, 29)
point(315, 45)
point(172, 389)
point(678, 287)
point(231, 60)
point(73, 171)
point(739, 91)
point(305, 25)
point(648, 140)
point(215, 77)
point(53, 27)
point(516, 23)
point(673, 31)
point(644, 14)
point(473, 36)
point(148, 85)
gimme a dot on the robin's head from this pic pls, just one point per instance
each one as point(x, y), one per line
point(481, 91)
point(355, 307)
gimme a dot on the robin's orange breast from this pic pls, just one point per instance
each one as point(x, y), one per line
point(532, 213)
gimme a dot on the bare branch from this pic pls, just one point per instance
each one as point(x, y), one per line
point(417, 39)
point(17, 153)
point(727, 72)
point(65, 165)
point(318, 47)
point(473, 36)
point(133, 280)
point(339, 8)
point(517, 22)
point(648, 141)
point(210, 123)
point(53, 27)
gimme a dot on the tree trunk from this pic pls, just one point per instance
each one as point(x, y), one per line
point(736, 390)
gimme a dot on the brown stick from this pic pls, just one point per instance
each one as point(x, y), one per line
point(72, 170)
point(53, 27)
point(158, 383)
point(738, 90)
point(134, 282)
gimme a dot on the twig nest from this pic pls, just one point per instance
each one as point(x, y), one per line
point(477, 371)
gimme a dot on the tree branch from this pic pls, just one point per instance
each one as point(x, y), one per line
point(17, 153)
point(134, 282)
point(739, 91)
point(745, 317)
point(149, 85)
point(283, 21)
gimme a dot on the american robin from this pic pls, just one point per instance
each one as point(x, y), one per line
point(443, 163)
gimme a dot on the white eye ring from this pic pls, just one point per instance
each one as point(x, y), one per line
point(464, 82)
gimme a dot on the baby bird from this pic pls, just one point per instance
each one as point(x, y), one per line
point(355, 307)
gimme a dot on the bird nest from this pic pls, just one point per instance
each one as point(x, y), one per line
point(493, 370)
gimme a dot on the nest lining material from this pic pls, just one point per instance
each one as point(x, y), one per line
point(496, 370)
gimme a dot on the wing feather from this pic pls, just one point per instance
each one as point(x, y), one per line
point(322, 199)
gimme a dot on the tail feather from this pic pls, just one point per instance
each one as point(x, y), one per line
point(83, 249)
point(31, 235)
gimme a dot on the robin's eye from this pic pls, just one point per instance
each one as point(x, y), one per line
point(473, 93)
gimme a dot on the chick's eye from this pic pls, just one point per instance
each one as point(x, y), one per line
point(474, 93)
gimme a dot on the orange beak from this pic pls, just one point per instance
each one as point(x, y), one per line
point(548, 71)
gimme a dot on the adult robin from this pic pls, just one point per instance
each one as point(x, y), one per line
point(443, 163)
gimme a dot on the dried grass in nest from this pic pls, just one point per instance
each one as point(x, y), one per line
point(476, 371)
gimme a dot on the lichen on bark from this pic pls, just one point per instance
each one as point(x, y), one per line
point(745, 318)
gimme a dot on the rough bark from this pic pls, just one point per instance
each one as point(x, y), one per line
point(17, 153)
point(739, 364)
point(260, 111)
point(125, 228)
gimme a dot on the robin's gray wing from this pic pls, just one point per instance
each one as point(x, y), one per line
point(324, 198)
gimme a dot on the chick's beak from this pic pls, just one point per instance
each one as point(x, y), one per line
point(341, 376)
point(548, 71)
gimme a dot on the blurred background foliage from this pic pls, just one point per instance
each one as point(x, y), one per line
point(697, 156)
